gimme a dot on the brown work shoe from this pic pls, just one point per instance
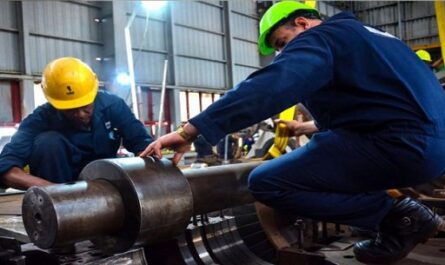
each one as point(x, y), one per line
point(407, 224)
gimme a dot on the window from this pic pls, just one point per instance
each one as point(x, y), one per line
point(192, 103)
point(10, 100)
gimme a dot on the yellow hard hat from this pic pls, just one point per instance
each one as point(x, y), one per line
point(69, 83)
point(424, 55)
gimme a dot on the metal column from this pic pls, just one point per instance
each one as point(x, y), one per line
point(26, 85)
point(174, 95)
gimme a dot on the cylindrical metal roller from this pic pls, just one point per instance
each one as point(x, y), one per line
point(71, 212)
point(157, 199)
point(139, 201)
point(220, 187)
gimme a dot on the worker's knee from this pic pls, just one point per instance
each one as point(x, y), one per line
point(258, 180)
point(48, 142)
point(262, 185)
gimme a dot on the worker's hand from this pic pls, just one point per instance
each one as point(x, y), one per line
point(298, 128)
point(18, 179)
point(173, 141)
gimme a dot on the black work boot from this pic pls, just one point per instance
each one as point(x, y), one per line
point(407, 224)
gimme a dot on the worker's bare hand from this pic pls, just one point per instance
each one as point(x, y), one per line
point(172, 141)
point(298, 128)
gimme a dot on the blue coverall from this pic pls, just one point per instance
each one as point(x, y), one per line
point(57, 151)
point(380, 111)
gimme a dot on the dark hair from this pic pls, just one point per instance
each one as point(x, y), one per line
point(290, 20)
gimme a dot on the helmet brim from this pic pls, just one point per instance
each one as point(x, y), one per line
point(262, 45)
point(76, 103)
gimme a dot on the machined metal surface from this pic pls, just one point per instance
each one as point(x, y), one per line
point(219, 187)
point(63, 214)
point(125, 202)
point(157, 199)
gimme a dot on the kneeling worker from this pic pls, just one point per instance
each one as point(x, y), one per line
point(77, 126)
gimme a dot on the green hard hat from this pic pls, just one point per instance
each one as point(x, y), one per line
point(273, 15)
point(424, 55)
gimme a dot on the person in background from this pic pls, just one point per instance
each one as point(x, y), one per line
point(426, 58)
point(204, 151)
point(232, 145)
point(380, 124)
point(248, 141)
point(79, 124)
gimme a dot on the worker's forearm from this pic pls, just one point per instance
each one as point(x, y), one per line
point(309, 127)
point(18, 179)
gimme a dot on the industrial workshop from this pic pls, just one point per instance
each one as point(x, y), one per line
point(235, 132)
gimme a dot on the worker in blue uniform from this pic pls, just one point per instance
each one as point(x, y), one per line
point(380, 124)
point(76, 126)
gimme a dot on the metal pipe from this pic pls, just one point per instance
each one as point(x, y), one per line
point(130, 63)
point(399, 19)
point(226, 150)
point(161, 104)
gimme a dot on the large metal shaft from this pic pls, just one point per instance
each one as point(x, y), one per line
point(82, 209)
point(123, 202)
point(220, 187)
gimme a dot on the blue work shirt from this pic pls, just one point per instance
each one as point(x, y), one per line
point(348, 75)
point(112, 123)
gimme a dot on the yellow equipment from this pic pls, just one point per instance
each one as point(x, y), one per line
point(281, 135)
point(69, 83)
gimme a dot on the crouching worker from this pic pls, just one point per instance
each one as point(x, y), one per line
point(76, 126)
point(380, 122)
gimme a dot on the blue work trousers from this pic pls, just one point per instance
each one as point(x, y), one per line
point(341, 176)
point(55, 158)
